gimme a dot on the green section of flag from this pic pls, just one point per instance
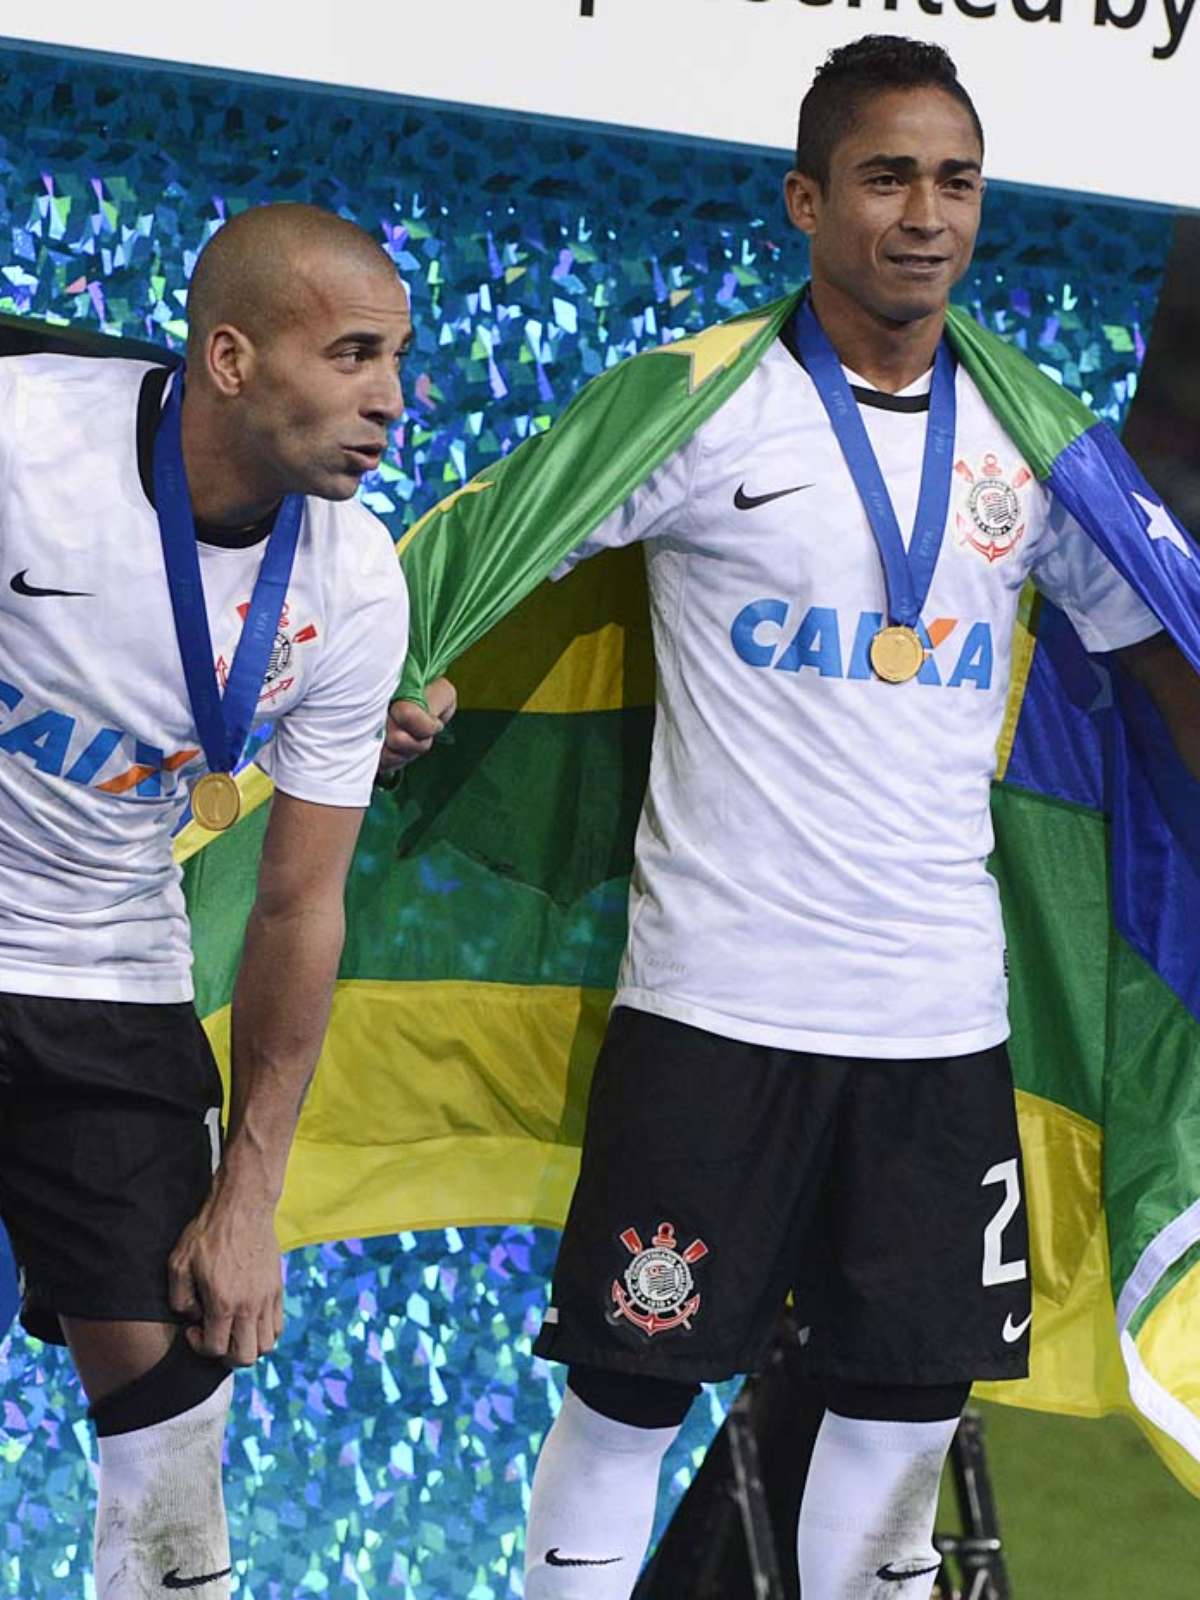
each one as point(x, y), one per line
point(1152, 1171)
point(470, 869)
point(505, 856)
point(486, 547)
point(1051, 862)
point(1039, 416)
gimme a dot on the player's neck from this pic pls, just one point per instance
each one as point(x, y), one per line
point(890, 355)
point(225, 490)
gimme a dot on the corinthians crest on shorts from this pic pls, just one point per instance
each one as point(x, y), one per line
point(990, 518)
point(659, 1291)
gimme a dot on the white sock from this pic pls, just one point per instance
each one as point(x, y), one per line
point(592, 1511)
point(868, 1510)
point(161, 1511)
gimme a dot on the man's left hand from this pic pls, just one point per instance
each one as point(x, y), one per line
point(411, 729)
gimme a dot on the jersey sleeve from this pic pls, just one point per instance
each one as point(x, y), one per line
point(652, 508)
point(1073, 572)
point(326, 749)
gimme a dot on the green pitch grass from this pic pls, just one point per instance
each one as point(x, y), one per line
point(1087, 1510)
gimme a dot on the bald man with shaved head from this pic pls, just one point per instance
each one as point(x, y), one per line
point(184, 564)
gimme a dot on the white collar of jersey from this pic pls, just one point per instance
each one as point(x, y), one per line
point(921, 385)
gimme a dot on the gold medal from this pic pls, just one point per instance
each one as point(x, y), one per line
point(216, 801)
point(897, 653)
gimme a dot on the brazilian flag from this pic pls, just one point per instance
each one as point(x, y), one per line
point(487, 898)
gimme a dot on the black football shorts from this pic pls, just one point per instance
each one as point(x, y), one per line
point(109, 1133)
point(886, 1197)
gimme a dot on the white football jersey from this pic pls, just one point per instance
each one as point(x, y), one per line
point(811, 862)
point(98, 744)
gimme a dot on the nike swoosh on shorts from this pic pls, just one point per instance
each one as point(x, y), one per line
point(1012, 1331)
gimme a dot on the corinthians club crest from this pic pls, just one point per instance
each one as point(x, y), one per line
point(658, 1293)
point(279, 676)
point(992, 518)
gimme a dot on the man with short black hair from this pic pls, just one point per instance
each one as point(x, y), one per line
point(181, 565)
point(804, 1084)
point(877, 63)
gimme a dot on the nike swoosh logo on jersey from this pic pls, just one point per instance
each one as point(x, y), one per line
point(172, 1580)
point(747, 502)
point(891, 1574)
point(553, 1559)
point(1012, 1331)
point(19, 586)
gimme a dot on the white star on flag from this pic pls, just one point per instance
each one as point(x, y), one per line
point(1162, 526)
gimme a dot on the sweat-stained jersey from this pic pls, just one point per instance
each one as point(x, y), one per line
point(810, 866)
point(98, 744)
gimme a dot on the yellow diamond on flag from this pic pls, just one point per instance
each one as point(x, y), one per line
point(714, 349)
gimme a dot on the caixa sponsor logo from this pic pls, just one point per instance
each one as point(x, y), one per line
point(957, 653)
point(57, 745)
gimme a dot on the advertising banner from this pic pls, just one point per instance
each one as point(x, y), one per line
point(1085, 95)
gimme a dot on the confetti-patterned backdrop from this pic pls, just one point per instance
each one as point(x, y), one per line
point(388, 1446)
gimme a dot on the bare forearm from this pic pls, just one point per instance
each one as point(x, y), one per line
point(224, 1269)
point(280, 1011)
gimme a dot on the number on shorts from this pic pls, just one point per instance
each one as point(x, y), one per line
point(212, 1121)
point(995, 1268)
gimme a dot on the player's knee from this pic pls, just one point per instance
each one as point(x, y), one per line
point(110, 1355)
point(179, 1382)
point(870, 1402)
point(638, 1400)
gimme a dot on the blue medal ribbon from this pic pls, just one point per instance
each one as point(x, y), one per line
point(222, 721)
point(907, 575)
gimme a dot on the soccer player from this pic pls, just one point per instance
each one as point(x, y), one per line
point(181, 564)
point(804, 1084)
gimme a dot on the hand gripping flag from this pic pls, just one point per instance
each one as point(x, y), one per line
point(486, 904)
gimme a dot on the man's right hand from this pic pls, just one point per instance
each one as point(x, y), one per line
point(411, 729)
point(224, 1275)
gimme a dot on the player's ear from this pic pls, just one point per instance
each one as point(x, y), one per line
point(228, 359)
point(802, 196)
